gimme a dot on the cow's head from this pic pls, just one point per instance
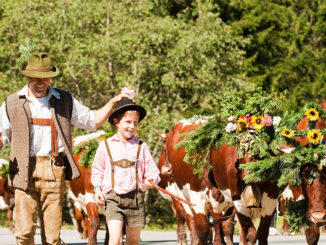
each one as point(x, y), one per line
point(315, 195)
point(164, 164)
point(314, 192)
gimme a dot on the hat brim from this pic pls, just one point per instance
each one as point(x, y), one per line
point(140, 109)
point(41, 74)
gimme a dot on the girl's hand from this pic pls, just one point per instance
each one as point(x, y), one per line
point(148, 184)
point(99, 197)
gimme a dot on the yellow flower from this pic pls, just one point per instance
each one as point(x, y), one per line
point(242, 124)
point(257, 121)
point(314, 136)
point(312, 114)
point(287, 133)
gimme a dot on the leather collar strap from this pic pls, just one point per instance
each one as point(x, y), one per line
point(54, 140)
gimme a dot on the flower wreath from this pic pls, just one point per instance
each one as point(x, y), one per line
point(251, 127)
point(285, 168)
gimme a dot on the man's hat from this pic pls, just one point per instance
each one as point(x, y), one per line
point(127, 105)
point(39, 66)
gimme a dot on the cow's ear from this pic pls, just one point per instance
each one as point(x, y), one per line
point(163, 136)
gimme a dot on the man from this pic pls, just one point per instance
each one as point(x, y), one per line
point(37, 121)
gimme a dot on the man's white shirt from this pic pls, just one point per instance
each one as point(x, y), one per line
point(82, 117)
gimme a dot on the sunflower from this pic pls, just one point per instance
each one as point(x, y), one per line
point(242, 124)
point(287, 133)
point(257, 121)
point(314, 136)
point(312, 114)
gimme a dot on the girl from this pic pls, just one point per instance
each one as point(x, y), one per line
point(121, 171)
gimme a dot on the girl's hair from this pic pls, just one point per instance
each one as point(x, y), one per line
point(122, 113)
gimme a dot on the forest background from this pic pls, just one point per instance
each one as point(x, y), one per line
point(180, 56)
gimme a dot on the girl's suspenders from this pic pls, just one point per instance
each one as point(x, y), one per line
point(123, 163)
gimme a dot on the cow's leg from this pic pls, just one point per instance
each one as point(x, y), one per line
point(282, 207)
point(191, 225)
point(312, 234)
point(263, 230)
point(107, 234)
point(202, 228)
point(10, 214)
point(248, 230)
point(267, 212)
point(217, 223)
point(228, 225)
point(10, 220)
point(80, 220)
point(92, 213)
point(180, 216)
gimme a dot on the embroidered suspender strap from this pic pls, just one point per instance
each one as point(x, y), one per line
point(113, 163)
point(54, 139)
point(138, 152)
point(111, 160)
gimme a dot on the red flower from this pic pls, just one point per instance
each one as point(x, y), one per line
point(249, 121)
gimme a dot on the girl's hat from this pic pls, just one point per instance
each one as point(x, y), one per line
point(39, 65)
point(127, 105)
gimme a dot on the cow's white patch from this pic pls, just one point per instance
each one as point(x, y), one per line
point(252, 213)
point(171, 188)
point(288, 150)
point(227, 195)
point(223, 206)
point(81, 201)
point(87, 137)
point(3, 205)
point(268, 205)
point(194, 120)
point(203, 200)
point(287, 193)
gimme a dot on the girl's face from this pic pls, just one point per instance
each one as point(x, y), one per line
point(127, 125)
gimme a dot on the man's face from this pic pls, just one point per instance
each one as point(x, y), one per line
point(38, 86)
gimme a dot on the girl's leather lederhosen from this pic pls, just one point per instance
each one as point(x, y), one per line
point(130, 199)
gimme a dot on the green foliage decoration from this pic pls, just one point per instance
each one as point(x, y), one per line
point(296, 215)
point(25, 50)
point(285, 168)
point(89, 150)
point(245, 121)
point(4, 171)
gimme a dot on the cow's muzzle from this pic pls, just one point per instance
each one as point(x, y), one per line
point(318, 217)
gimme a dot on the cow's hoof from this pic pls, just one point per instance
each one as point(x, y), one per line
point(251, 196)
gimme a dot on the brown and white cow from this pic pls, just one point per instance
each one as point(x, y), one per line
point(314, 193)
point(178, 178)
point(229, 179)
point(7, 197)
point(87, 212)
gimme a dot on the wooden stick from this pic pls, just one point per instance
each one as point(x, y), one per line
point(170, 194)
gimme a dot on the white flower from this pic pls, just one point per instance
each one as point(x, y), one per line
point(230, 127)
point(231, 118)
point(276, 121)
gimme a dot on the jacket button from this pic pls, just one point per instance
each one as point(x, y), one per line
point(26, 165)
point(25, 179)
point(27, 155)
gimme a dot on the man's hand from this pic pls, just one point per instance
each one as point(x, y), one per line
point(102, 114)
